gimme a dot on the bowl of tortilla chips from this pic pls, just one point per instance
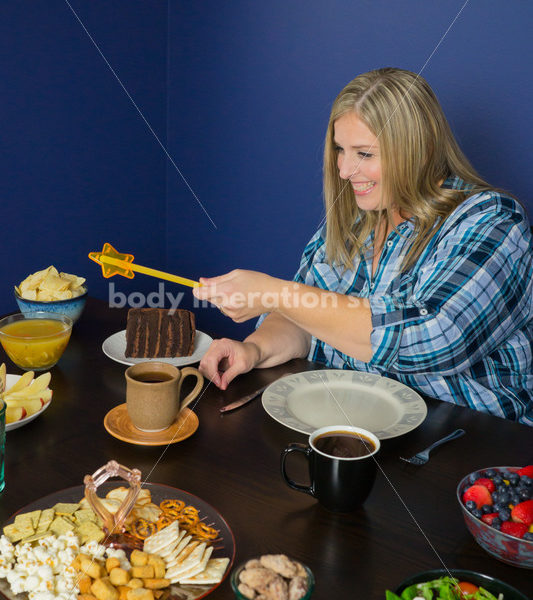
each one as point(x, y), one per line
point(52, 291)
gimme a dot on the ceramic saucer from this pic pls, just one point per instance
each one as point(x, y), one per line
point(118, 424)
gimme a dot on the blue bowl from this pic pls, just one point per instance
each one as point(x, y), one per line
point(73, 307)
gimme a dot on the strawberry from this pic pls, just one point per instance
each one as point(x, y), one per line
point(489, 518)
point(488, 483)
point(523, 513)
point(514, 529)
point(526, 471)
point(479, 494)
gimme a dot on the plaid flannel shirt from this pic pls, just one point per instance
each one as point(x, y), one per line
point(458, 325)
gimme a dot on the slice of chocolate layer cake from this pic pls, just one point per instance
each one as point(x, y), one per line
point(159, 333)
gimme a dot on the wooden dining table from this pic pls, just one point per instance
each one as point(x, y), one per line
point(411, 521)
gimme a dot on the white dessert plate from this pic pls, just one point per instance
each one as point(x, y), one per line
point(115, 347)
point(10, 382)
point(313, 399)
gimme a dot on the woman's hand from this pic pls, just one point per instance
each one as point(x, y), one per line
point(225, 359)
point(240, 294)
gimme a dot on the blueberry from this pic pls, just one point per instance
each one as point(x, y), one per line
point(528, 536)
point(514, 478)
point(502, 488)
point(478, 514)
point(470, 505)
point(524, 495)
point(486, 509)
point(499, 506)
point(497, 480)
point(504, 514)
point(495, 497)
point(496, 523)
point(515, 499)
point(526, 480)
point(491, 473)
point(504, 498)
point(473, 477)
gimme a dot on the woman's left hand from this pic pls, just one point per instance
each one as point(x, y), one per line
point(240, 294)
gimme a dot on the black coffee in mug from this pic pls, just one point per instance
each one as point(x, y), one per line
point(342, 466)
point(153, 377)
point(344, 444)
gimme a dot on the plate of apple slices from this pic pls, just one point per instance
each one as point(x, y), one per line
point(25, 396)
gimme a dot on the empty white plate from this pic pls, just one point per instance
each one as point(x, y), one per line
point(313, 399)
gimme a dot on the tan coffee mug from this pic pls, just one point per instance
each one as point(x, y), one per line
point(153, 394)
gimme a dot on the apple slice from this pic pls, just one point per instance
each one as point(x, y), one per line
point(2, 378)
point(23, 382)
point(15, 413)
point(39, 383)
point(46, 396)
point(32, 406)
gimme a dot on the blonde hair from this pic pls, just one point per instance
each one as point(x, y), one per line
point(418, 151)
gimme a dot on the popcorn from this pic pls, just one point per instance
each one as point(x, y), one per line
point(94, 549)
point(44, 571)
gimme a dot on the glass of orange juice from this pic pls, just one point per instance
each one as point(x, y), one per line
point(35, 341)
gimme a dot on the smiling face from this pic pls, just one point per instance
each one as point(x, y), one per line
point(359, 160)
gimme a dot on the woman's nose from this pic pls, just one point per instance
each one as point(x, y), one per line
point(348, 166)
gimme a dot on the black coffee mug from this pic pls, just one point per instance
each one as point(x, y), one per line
point(342, 466)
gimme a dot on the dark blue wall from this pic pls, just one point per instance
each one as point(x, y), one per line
point(240, 91)
point(250, 87)
point(79, 166)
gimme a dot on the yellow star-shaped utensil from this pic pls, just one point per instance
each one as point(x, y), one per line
point(120, 264)
point(115, 263)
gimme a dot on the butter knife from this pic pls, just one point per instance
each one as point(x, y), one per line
point(244, 400)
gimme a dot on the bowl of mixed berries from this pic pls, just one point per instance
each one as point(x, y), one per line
point(497, 506)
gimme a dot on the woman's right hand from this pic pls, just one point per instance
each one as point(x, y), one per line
point(225, 359)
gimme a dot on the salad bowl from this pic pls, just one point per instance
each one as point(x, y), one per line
point(490, 588)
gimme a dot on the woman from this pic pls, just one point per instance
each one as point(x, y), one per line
point(423, 272)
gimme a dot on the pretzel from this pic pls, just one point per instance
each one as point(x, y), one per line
point(205, 532)
point(164, 520)
point(188, 521)
point(173, 513)
point(189, 510)
point(142, 528)
point(174, 505)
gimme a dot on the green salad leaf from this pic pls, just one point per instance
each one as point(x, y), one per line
point(444, 588)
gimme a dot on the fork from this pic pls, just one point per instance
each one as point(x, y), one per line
point(421, 458)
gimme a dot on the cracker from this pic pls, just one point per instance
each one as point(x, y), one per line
point(167, 551)
point(35, 537)
point(88, 532)
point(213, 573)
point(182, 556)
point(34, 515)
point(14, 533)
point(85, 514)
point(60, 526)
point(45, 520)
point(162, 538)
point(190, 566)
point(66, 508)
point(24, 519)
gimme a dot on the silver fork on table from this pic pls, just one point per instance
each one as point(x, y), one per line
point(421, 458)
